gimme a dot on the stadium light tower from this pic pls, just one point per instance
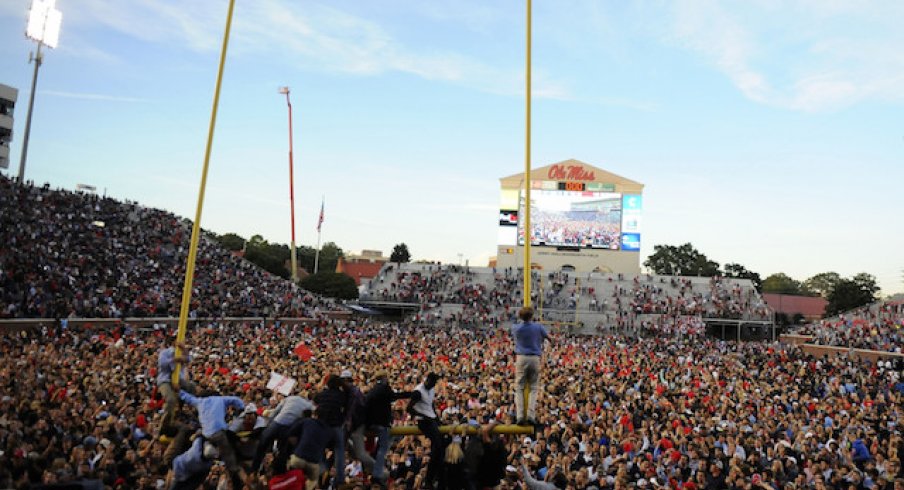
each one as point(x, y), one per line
point(43, 27)
point(285, 90)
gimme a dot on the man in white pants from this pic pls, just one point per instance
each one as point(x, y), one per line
point(529, 337)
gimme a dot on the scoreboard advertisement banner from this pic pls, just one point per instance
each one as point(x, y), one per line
point(632, 205)
point(630, 242)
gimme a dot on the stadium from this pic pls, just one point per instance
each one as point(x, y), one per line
point(637, 365)
point(139, 350)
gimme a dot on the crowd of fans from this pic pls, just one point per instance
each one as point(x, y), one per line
point(575, 229)
point(608, 301)
point(878, 326)
point(660, 407)
point(722, 298)
point(679, 412)
point(73, 254)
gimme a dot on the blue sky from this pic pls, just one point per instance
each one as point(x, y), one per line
point(767, 132)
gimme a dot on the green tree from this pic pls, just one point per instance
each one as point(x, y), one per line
point(738, 271)
point(270, 257)
point(852, 293)
point(400, 254)
point(821, 284)
point(231, 241)
point(306, 257)
point(331, 284)
point(683, 260)
point(329, 257)
point(781, 283)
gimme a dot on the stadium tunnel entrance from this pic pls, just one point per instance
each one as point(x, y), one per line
point(741, 330)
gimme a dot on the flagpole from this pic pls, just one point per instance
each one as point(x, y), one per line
point(317, 254)
point(319, 225)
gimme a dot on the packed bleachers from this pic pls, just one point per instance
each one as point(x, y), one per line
point(878, 326)
point(75, 254)
point(453, 294)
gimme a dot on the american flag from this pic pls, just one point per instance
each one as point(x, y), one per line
point(320, 220)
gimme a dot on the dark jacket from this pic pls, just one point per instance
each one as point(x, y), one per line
point(331, 404)
point(378, 404)
point(313, 440)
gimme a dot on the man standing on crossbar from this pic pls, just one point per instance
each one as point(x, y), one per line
point(528, 337)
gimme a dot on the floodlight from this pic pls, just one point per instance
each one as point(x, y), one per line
point(43, 27)
point(44, 22)
point(284, 90)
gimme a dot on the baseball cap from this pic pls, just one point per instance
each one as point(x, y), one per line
point(250, 408)
point(346, 374)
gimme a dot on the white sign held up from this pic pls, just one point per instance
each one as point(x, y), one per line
point(280, 384)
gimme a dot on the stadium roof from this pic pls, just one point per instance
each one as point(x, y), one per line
point(575, 170)
point(359, 269)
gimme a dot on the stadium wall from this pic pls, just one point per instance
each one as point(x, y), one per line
point(584, 260)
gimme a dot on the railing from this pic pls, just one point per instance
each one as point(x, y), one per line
point(819, 350)
point(17, 324)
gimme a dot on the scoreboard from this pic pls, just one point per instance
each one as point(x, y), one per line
point(571, 185)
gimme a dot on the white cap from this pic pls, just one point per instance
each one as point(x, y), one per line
point(346, 374)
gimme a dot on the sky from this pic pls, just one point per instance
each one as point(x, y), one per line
point(767, 132)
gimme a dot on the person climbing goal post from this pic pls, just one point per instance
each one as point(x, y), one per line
point(528, 337)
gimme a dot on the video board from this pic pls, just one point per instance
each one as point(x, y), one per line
point(572, 218)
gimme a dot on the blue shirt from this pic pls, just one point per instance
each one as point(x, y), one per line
point(166, 364)
point(212, 410)
point(191, 462)
point(529, 338)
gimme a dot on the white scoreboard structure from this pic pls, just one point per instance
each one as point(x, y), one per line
point(583, 218)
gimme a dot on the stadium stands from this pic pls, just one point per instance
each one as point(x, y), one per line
point(75, 254)
point(482, 295)
point(879, 326)
point(650, 403)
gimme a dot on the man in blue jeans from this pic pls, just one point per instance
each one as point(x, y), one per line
point(212, 411)
point(331, 404)
point(291, 409)
point(378, 418)
point(529, 337)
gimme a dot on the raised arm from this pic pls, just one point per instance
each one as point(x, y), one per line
point(235, 402)
point(188, 398)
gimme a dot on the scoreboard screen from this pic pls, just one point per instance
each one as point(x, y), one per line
point(572, 214)
point(573, 217)
point(572, 186)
